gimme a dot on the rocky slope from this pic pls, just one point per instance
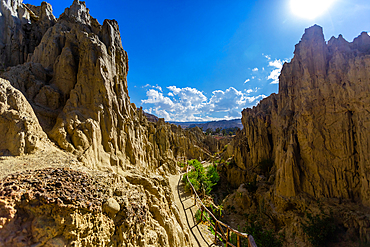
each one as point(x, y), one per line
point(150, 117)
point(64, 98)
point(63, 207)
point(315, 132)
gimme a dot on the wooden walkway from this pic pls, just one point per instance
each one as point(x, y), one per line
point(200, 235)
point(220, 229)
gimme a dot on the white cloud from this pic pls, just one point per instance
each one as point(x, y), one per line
point(156, 86)
point(174, 89)
point(163, 113)
point(255, 69)
point(267, 56)
point(226, 100)
point(254, 98)
point(276, 63)
point(157, 98)
point(248, 91)
point(190, 104)
point(274, 74)
point(247, 80)
point(253, 77)
point(188, 96)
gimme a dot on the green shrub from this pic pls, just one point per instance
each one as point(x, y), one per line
point(197, 215)
point(182, 165)
point(320, 229)
point(263, 237)
point(212, 174)
point(202, 181)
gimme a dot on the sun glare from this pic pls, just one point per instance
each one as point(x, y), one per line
point(310, 9)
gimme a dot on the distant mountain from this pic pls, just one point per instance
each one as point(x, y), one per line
point(151, 117)
point(223, 124)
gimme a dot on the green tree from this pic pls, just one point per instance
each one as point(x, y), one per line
point(224, 132)
point(202, 180)
point(209, 131)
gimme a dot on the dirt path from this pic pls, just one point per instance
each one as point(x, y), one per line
point(200, 235)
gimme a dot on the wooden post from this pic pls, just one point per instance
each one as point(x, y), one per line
point(201, 214)
point(216, 231)
point(238, 241)
point(227, 237)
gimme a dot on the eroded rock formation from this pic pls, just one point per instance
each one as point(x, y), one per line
point(19, 127)
point(63, 207)
point(315, 130)
point(65, 85)
point(21, 29)
point(75, 81)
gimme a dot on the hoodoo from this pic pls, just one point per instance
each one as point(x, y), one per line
point(64, 103)
point(315, 135)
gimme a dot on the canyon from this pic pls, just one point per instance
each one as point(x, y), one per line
point(68, 128)
point(80, 165)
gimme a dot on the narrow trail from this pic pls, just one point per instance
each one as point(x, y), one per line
point(200, 235)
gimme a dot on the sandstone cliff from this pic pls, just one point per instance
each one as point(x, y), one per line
point(64, 104)
point(315, 132)
point(21, 29)
point(20, 128)
point(75, 81)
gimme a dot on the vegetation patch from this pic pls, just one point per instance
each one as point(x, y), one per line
point(320, 229)
point(202, 179)
point(262, 236)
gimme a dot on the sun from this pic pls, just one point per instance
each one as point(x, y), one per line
point(310, 9)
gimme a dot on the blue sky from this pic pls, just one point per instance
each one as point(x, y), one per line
point(200, 60)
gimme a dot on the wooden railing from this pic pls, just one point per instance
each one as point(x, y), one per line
point(221, 229)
